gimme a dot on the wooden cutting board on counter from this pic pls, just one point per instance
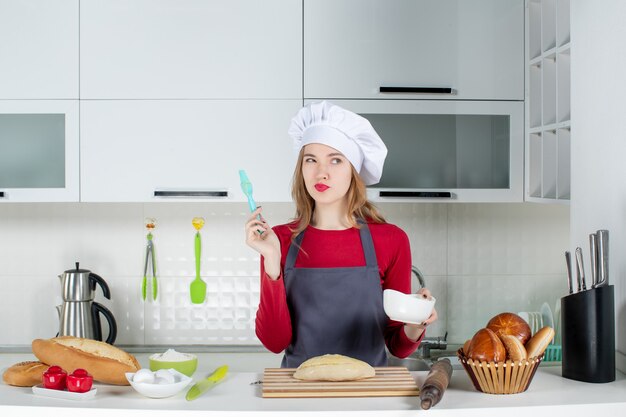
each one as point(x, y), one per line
point(390, 381)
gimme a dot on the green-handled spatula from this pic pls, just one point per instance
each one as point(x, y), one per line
point(197, 289)
point(201, 387)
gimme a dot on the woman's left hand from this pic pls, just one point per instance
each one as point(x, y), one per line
point(425, 292)
point(414, 331)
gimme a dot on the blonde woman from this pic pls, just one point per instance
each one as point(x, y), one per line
point(323, 274)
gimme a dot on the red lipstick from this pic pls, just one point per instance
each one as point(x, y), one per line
point(321, 187)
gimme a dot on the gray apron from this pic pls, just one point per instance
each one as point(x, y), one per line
point(335, 310)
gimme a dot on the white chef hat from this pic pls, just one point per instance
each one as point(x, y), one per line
point(343, 130)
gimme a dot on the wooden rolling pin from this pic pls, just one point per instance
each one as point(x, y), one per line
point(436, 383)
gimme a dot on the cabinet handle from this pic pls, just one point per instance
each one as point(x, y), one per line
point(1, 194)
point(210, 194)
point(419, 90)
point(414, 194)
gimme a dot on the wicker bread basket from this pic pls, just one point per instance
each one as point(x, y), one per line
point(510, 377)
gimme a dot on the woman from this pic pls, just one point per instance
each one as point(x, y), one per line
point(323, 274)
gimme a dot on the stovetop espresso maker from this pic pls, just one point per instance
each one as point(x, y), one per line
point(79, 315)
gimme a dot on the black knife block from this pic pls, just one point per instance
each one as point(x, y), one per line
point(588, 335)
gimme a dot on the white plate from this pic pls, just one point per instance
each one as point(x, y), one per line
point(557, 323)
point(64, 395)
point(546, 315)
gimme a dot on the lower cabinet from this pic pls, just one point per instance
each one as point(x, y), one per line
point(158, 150)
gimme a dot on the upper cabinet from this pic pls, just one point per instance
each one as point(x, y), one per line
point(168, 49)
point(168, 150)
point(355, 48)
point(548, 127)
point(39, 150)
point(39, 49)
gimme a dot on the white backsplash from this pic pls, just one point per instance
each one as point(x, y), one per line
point(478, 259)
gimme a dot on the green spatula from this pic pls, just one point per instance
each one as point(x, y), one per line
point(197, 289)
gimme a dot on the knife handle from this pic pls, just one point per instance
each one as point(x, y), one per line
point(580, 269)
point(593, 256)
point(568, 263)
point(603, 257)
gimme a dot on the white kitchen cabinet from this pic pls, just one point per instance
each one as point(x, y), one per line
point(447, 151)
point(134, 150)
point(39, 49)
point(39, 151)
point(548, 124)
point(352, 48)
point(191, 49)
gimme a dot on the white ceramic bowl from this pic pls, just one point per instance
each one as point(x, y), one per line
point(160, 390)
point(407, 308)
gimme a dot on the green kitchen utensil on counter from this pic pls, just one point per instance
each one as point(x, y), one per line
point(246, 187)
point(197, 289)
point(150, 224)
point(201, 387)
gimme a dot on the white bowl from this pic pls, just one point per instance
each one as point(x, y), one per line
point(407, 308)
point(160, 390)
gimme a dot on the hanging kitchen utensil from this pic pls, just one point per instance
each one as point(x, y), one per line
point(197, 289)
point(246, 187)
point(150, 224)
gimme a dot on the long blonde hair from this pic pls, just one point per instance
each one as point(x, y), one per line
point(359, 207)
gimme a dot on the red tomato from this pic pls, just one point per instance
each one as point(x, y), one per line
point(54, 378)
point(79, 381)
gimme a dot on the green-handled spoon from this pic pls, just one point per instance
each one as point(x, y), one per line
point(197, 289)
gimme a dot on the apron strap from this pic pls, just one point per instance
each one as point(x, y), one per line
point(366, 242)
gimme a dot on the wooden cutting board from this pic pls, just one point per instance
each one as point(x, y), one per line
point(391, 381)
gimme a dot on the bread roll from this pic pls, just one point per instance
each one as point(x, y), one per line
point(510, 323)
point(333, 368)
point(540, 341)
point(486, 346)
point(104, 362)
point(25, 374)
point(466, 346)
point(514, 348)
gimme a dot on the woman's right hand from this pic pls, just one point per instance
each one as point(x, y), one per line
point(266, 243)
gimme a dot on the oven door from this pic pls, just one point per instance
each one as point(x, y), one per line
point(456, 151)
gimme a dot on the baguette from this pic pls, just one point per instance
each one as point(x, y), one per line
point(24, 374)
point(539, 342)
point(104, 362)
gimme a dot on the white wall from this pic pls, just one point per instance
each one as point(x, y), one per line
point(479, 260)
point(598, 85)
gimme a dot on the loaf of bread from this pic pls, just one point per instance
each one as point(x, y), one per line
point(106, 363)
point(333, 368)
point(486, 346)
point(514, 348)
point(540, 341)
point(24, 374)
point(510, 323)
point(466, 346)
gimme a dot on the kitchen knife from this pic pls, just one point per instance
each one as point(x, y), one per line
point(568, 263)
point(603, 258)
point(593, 255)
point(200, 387)
point(580, 270)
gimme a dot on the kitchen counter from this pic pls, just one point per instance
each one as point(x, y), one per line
point(548, 393)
